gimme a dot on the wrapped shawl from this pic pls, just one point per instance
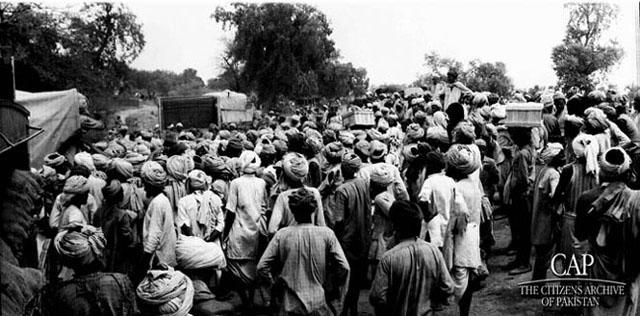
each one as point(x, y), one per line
point(166, 293)
point(585, 145)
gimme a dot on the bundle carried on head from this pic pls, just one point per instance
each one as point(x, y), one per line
point(166, 293)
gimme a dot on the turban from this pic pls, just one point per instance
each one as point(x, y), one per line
point(224, 134)
point(414, 132)
point(302, 200)
point(111, 190)
point(142, 149)
point(382, 174)
point(49, 174)
point(76, 185)
point(440, 119)
point(247, 145)
point(335, 126)
point(405, 215)
point(585, 145)
point(153, 174)
point(266, 132)
point(54, 159)
point(281, 146)
point(328, 136)
point(596, 120)
point(419, 116)
point(235, 144)
point(434, 160)
point(481, 143)
point(312, 133)
point(410, 152)
point(611, 166)
point(309, 124)
point(438, 133)
point(383, 125)
point(115, 150)
point(122, 167)
point(363, 147)
point(346, 138)
point(550, 152)
point(249, 161)
point(377, 135)
point(295, 166)
point(351, 162)
point(135, 158)
point(102, 145)
point(479, 99)
point(80, 248)
point(84, 159)
point(178, 167)
point(166, 293)
point(360, 134)
point(198, 180)
point(100, 161)
point(268, 149)
point(462, 159)
point(485, 112)
point(333, 152)
point(378, 149)
point(417, 101)
point(463, 129)
point(498, 111)
point(216, 166)
point(315, 144)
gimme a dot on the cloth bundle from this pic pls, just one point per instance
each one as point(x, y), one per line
point(166, 293)
point(195, 253)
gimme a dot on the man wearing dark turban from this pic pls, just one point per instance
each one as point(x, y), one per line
point(104, 293)
point(399, 284)
point(307, 278)
point(351, 220)
point(607, 222)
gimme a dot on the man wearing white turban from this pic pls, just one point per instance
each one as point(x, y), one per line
point(247, 204)
point(200, 212)
point(295, 168)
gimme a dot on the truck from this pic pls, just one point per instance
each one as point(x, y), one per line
point(200, 111)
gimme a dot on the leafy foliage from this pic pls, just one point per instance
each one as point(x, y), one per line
point(284, 50)
point(580, 59)
point(158, 83)
point(477, 76)
point(88, 49)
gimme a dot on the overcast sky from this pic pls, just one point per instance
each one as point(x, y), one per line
point(390, 39)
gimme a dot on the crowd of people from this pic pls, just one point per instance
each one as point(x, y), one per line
point(311, 212)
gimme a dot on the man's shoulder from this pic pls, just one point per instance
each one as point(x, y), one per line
point(402, 248)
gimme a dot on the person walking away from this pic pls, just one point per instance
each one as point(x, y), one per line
point(462, 241)
point(302, 258)
point(102, 293)
point(295, 168)
point(607, 225)
point(518, 195)
point(158, 231)
point(544, 216)
point(352, 218)
point(413, 273)
point(247, 203)
point(120, 254)
point(575, 179)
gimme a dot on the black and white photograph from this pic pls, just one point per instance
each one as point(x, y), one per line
point(320, 157)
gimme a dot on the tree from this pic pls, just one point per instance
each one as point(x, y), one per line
point(89, 49)
point(492, 77)
point(581, 58)
point(165, 83)
point(280, 49)
point(477, 76)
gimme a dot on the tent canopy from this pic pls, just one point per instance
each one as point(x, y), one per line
point(57, 112)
